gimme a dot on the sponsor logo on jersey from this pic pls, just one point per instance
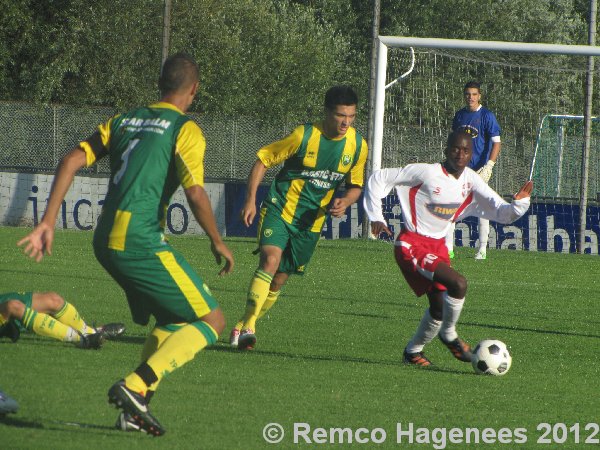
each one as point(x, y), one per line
point(443, 210)
point(437, 190)
point(470, 129)
point(135, 122)
point(268, 232)
point(323, 178)
point(346, 159)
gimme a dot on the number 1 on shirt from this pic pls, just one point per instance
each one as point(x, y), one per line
point(125, 158)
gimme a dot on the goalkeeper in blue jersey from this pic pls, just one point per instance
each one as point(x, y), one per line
point(317, 158)
point(482, 125)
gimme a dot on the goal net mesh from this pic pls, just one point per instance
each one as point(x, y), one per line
point(557, 169)
point(525, 91)
point(520, 89)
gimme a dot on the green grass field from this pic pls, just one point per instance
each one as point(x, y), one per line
point(328, 355)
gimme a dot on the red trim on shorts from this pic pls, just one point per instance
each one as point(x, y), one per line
point(420, 254)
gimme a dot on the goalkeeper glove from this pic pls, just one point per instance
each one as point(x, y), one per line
point(486, 171)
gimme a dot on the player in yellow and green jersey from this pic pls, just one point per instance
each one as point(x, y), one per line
point(48, 314)
point(317, 158)
point(152, 150)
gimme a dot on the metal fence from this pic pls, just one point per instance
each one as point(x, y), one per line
point(33, 138)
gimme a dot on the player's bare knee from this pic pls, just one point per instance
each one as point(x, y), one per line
point(54, 302)
point(4, 311)
point(216, 319)
point(13, 309)
point(47, 302)
point(459, 287)
point(270, 263)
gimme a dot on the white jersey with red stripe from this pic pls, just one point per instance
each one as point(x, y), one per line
point(431, 199)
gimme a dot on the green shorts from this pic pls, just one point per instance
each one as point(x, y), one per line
point(298, 245)
point(23, 297)
point(158, 283)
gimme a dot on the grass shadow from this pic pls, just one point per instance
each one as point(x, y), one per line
point(59, 425)
point(331, 358)
point(16, 422)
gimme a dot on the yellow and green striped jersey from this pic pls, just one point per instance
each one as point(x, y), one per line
point(152, 151)
point(314, 166)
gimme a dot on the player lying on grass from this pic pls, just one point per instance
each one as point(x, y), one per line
point(432, 196)
point(48, 314)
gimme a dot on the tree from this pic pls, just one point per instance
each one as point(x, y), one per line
point(260, 58)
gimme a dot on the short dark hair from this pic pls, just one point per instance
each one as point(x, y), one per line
point(472, 84)
point(455, 135)
point(340, 95)
point(178, 71)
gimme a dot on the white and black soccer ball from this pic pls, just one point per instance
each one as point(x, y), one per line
point(491, 357)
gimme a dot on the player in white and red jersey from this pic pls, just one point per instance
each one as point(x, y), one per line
point(432, 197)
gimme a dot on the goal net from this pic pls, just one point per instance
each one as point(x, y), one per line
point(536, 91)
point(558, 158)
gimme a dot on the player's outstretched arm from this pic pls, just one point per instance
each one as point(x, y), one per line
point(200, 206)
point(40, 240)
point(525, 191)
point(248, 212)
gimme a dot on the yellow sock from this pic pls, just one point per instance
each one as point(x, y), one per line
point(257, 294)
point(45, 325)
point(154, 341)
point(156, 338)
point(269, 302)
point(134, 382)
point(181, 347)
point(69, 316)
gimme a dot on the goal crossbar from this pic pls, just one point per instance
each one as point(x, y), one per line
point(394, 41)
point(502, 46)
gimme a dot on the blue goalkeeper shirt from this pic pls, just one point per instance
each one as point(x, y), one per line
point(483, 127)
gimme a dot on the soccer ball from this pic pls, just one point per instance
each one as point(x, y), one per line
point(491, 357)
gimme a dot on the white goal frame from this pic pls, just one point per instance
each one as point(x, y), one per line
point(384, 42)
point(394, 41)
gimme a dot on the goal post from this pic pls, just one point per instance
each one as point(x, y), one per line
point(521, 82)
